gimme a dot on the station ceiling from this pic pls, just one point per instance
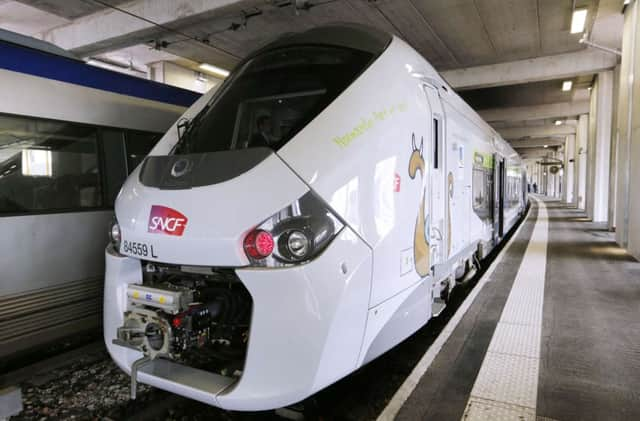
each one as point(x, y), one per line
point(451, 34)
point(533, 93)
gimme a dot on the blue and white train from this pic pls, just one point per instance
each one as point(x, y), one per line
point(70, 134)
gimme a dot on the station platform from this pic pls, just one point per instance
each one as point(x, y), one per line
point(549, 333)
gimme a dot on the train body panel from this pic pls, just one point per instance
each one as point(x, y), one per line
point(332, 249)
point(36, 96)
point(70, 134)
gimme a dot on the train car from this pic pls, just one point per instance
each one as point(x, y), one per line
point(69, 135)
point(315, 211)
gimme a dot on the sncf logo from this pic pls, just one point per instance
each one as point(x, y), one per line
point(166, 221)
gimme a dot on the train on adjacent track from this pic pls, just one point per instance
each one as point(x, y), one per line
point(305, 218)
point(69, 135)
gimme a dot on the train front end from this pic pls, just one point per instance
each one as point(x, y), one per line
point(229, 280)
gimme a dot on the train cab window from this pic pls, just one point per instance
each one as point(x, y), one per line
point(47, 166)
point(138, 145)
point(272, 97)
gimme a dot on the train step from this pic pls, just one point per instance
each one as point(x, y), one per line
point(438, 305)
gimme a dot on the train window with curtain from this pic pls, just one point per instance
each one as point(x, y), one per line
point(138, 145)
point(47, 166)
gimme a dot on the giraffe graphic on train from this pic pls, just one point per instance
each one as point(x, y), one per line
point(421, 249)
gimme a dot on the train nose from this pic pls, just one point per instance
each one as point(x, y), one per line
point(197, 209)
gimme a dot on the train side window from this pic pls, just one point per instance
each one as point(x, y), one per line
point(437, 135)
point(48, 166)
point(138, 145)
point(115, 169)
point(481, 187)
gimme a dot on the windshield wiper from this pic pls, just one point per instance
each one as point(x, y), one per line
point(186, 128)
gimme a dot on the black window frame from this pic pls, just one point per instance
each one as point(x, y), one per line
point(100, 162)
point(437, 140)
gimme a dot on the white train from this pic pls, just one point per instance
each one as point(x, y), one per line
point(316, 211)
point(69, 135)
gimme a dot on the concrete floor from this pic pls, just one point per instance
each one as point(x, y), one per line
point(591, 328)
point(587, 362)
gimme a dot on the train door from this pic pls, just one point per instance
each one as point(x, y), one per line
point(438, 182)
point(498, 185)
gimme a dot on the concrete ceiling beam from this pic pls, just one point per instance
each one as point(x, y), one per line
point(532, 70)
point(536, 131)
point(536, 143)
point(110, 29)
point(537, 154)
point(536, 112)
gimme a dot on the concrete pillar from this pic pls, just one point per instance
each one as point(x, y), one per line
point(613, 160)
point(599, 147)
point(559, 175)
point(582, 137)
point(156, 71)
point(625, 110)
point(569, 169)
point(628, 145)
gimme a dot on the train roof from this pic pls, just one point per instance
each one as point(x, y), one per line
point(35, 44)
point(38, 58)
point(348, 35)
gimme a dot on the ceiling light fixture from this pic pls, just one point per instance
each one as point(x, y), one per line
point(546, 146)
point(566, 85)
point(214, 69)
point(557, 122)
point(578, 21)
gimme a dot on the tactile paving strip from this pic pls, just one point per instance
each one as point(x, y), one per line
point(507, 385)
point(516, 339)
point(487, 410)
point(508, 379)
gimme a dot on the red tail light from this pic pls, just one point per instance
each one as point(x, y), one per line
point(258, 244)
point(177, 320)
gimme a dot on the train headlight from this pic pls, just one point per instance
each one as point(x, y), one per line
point(298, 233)
point(115, 235)
point(298, 244)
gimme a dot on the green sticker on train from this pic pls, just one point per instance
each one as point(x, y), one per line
point(483, 160)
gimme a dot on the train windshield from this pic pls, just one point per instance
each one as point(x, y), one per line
point(272, 98)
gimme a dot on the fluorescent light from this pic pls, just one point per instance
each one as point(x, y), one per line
point(214, 69)
point(578, 21)
point(557, 122)
point(566, 85)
